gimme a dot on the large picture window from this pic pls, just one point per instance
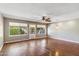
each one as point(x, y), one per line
point(17, 28)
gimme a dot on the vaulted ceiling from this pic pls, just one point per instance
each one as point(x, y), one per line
point(57, 11)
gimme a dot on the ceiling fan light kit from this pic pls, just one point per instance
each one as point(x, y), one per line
point(45, 18)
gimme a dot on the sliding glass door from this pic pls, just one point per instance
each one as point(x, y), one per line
point(32, 31)
point(37, 30)
point(41, 30)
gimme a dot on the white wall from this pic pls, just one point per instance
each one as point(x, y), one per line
point(1, 31)
point(68, 30)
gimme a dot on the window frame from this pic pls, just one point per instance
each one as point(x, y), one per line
point(19, 27)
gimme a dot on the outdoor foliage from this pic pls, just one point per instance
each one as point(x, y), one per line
point(16, 30)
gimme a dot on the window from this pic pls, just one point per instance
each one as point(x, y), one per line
point(32, 28)
point(17, 28)
point(40, 29)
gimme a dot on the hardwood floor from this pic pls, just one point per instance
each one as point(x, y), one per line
point(41, 47)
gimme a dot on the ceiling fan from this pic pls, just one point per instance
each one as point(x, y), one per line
point(46, 19)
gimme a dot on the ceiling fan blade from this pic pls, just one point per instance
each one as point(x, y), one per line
point(43, 18)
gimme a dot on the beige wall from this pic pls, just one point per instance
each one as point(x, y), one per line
point(68, 30)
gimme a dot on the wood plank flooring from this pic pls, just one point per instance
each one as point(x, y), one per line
point(41, 47)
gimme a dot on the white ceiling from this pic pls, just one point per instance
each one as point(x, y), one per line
point(58, 11)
